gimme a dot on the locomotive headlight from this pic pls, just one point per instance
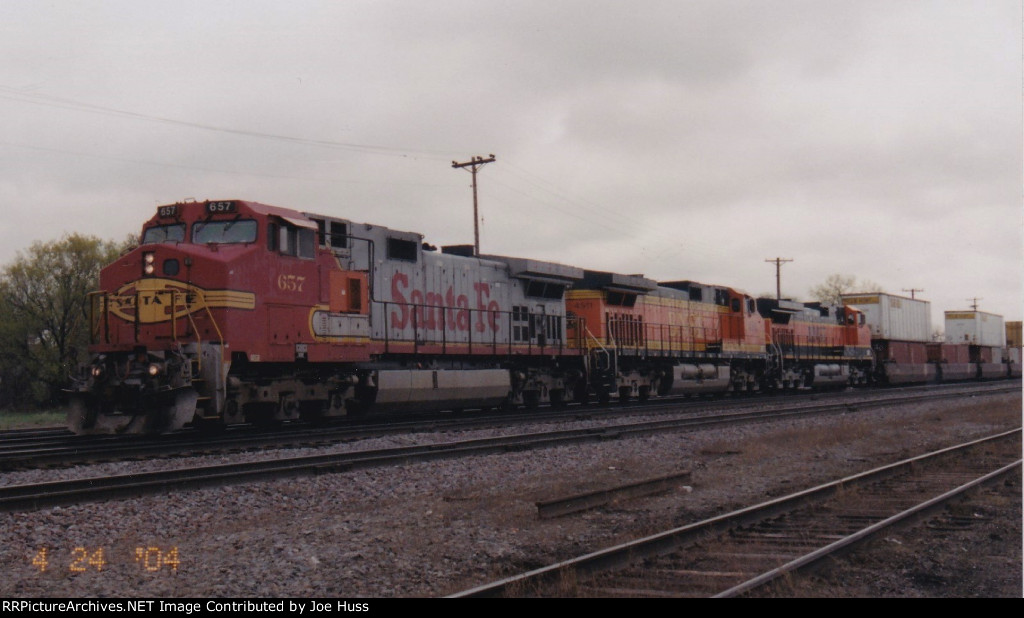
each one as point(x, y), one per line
point(154, 369)
point(148, 260)
point(97, 371)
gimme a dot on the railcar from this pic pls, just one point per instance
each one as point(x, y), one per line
point(1014, 345)
point(900, 330)
point(981, 338)
point(901, 338)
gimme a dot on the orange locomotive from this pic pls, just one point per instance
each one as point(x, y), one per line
point(816, 344)
point(684, 337)
point(233, 311)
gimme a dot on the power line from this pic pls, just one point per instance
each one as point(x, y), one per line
point(70, 104)
point(208, 169)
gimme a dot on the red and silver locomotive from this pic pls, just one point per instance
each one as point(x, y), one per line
point(233, 311)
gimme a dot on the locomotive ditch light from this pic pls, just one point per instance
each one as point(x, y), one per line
point(154, 369)
point(96, 371)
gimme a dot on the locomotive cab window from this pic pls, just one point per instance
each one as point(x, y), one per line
point(298, 242)
point(164, 233)
point(291, 240)
point(236, 231)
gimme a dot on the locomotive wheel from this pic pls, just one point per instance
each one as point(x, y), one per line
point(557, 398)
point(531, 399)
point(624, 392)
point(664, 386)
point(644, 393)
point(580, 393)
point(261, 414)
point(209, 425)
point(312, 411)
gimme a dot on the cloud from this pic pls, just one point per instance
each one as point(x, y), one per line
point(682, 140)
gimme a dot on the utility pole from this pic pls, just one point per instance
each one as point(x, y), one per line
point(474, 164)
point(912, 290)
point(778, 275)
point(974, 303)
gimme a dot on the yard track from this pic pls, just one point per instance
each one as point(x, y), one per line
point(735, 553)
point(24, 449)
point(40, 495)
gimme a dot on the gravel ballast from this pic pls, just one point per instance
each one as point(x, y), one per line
point(434, 528)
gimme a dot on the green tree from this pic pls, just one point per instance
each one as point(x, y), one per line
point(835, 285)
point(44, 314)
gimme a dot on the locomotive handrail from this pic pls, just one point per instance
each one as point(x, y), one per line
point(216, 327)
point(174, 317)
point(199, 340)
point(136, 316)
point(588, 349)
point(94, 324)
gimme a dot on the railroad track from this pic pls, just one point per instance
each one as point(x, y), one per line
point(39, 495)
point(21, 450)
point(735, 553)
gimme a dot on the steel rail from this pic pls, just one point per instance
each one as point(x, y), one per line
point(866, 533)
point(670, 540)
point(71, 449)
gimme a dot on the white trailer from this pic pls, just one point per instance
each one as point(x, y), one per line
point(892, 317)
point(975, 328)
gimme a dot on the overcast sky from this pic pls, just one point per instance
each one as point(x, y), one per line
point(678, 139)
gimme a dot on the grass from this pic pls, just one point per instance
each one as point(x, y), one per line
point(14, 419)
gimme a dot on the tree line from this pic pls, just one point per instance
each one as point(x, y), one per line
point(44, 315)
